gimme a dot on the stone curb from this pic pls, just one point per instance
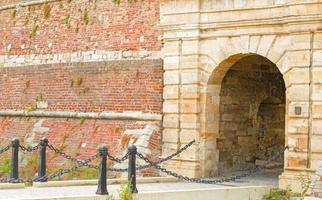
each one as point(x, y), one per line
point(11, 185)
point(231, 193)
point(109, 182)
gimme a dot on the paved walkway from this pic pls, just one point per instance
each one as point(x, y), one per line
point(267, 178)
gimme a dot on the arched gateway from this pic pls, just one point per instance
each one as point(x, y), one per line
point(244, 114)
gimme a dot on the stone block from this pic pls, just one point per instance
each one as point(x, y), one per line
point(171, 62)
point(317, 75)
point(171, 106)
point(298, 125)
point(297, 76)
point(171, 48)
point(190, 91)
point(171, 121)
point(317, 58)
point(277, 50)
point(171, 77)
point(189, 106)
point(189, 76)
point(190, 62)
point(189, 121)
point(316, 126)
point(190, 47)
point(297, 59)
point(316, 144)
point(190, 153)
point(317, 92)
point(298, 93)
point(253, 44)
point(188, 135)
point(168, 148)
point(245, 141)
point(317, 110)
point(170, 135)
point(317, 41)
point(264, 44)
point(304, 106)
point(171, 92)
point(296, 162)
point(300, 41)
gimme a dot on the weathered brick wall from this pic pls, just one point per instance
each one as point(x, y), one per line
point(130, 26)
point(61, 64)
point(76, 138)
point(118, 86)
point(87, 87)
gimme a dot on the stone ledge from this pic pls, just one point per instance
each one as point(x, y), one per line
point(11, 185)
point(230, 193)
point(127, 115)
point(109, 182)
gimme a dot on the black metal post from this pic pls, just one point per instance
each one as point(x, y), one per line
point(42, 160)
point(14, 159)
point(102, 188)
point(132, 168)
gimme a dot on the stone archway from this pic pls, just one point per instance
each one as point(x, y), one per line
point(240, 93)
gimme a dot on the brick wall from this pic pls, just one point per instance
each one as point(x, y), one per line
point(130, 26)
point(117, 86)
point(110, 64)
point(87, 87)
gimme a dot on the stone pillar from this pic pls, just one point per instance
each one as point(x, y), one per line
point(299, 117)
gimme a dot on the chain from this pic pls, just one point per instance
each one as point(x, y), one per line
point(108, 169)
point(68, 157)
point(162, 160)
point(29, 149)
point(11, 180)
point(6, 148)
point(118, 160)
point(60, 172)
point(212, 181)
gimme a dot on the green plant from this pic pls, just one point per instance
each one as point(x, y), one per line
point(78, 80)
point(67, 21)
point(29, 108)
point(126, 191)
point(85, 90)
point(279, 194)
point(33, 31)
point(47, 10)
point(26, 20)
point(85, 17)
point(82, 120)
point(5, 165)
point(116, 129)
point(110, 197)
point(305, 184)
point(14, 14)
point(29, 169)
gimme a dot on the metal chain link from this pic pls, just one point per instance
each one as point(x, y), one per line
point(109, 169)
point(4, 149)
point(68, 157)
point(210, 181)
point(118, 160)
point(141, 167)
point(10, 180)
point(60, 172)
point(28, 149)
